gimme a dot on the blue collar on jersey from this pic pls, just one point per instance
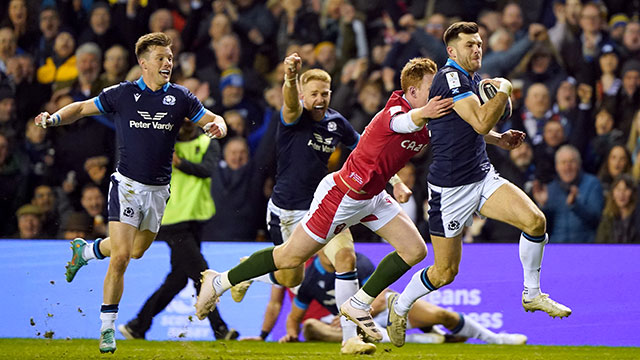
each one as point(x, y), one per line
point(318, 266)
point(143, 86)
point(451, 62)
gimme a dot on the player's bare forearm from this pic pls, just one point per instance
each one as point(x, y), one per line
point(213, 125)
point(491, 112)
point(294, 320)
point(291, 109)
point(271, 316)
point(68, 114)
point(492, 137)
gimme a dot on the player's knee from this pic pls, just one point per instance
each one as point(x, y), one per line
point(537, 225)
point(345, 260)
point(414, 254)
point(119, 262)
point(444, 276)
point(290, 262)
point(137, 254)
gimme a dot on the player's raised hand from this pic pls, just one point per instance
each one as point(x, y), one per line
point(43, 120)
point(437, 107)
point(401, 192)
point(292, 64)
point(214, 131)
point(511, 139)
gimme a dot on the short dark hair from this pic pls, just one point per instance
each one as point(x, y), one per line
point(461, 27)
point(145, 42)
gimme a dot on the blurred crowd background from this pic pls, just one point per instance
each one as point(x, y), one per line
point(575, 68)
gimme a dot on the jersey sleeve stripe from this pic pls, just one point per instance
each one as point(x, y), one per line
point(462, 96)
point(98, 103)
point(288, 124)
point(351, 147)
point(198, 116)
point(300, 304)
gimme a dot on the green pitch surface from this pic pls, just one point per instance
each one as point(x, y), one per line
point(140, 349)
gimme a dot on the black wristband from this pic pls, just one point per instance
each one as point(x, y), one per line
point(264, 334)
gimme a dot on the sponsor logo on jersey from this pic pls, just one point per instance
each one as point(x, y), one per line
point(169, 100)
point(452, 79)
point(320, 143)
point(154, 121)
point(331, 126)
point(355, 177)
point(412, 145)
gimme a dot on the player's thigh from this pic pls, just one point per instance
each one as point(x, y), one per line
point(143, 240)
point(511, 205)
point(122, 237)
point(296, 250)
point(447, 252)
point(403, 235)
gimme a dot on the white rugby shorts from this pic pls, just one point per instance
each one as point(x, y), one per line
point(336, 207)
point(136, 204)
point(452, 208)
point(281, 222)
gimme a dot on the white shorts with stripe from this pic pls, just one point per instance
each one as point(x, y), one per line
point(336, 207)
point(452, 208)
point(281, 222)
point(135, 203)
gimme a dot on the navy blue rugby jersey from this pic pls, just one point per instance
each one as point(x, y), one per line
point(303, 151)
point(147, 124)
point(319, 285)
point(459, 152)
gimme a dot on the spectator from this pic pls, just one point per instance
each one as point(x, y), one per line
point(10, 126)
point(535, 113)
point(39, 152)
point(627, 100)
point(233, 98)
point(236, 192)
point(22, 24)
point(30, 94)
point(116, 65)
point(13, 185)
point(45, 199)
point(99, 30)
point(606, 138)
point(513, 21)
point(631, 40)
point(618, 162)
point(545, 152)
point(573, 202)
point(609, 83)
point(8, 45)
point(88, 65)
point(617, 223)
point(296, 24)
point(540, 66)
point(93, 206)
point(617, 24)
point(49, 27)
point(76, 225)
point(160, 20)
point(219, 26)
point(60, 68)
point(505, 54)
point(29, 222)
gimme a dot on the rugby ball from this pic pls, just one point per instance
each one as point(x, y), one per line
point(487, 91)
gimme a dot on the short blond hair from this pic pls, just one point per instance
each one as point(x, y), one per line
point(145, 42)
point(414, 71)
point(315, 74)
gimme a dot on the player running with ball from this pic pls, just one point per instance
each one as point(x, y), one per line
point(462, 181)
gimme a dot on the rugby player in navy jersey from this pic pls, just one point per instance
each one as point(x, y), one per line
point(147, 114)
point(318, 285)
point(462, 181)
point(307, 135)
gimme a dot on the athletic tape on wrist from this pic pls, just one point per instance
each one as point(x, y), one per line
point(55, 120)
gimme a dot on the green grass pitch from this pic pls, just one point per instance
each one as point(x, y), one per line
point(215, 350)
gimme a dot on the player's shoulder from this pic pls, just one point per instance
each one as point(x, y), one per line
point(125, 85)
point(396, 104)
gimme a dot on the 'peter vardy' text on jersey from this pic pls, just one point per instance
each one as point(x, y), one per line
point(147, 124)
point(319, 285)
point(304, 148)
point(459, 152)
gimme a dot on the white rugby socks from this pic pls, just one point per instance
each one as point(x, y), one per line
point(418, 286)
point(346, 285)
point(531, 250)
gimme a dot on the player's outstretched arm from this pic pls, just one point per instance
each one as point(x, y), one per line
point(67, 114)
point(213, 125)
point(435, 108)
point(507, 140)
point(294, 319)
point(484, 117)
point(291, 109)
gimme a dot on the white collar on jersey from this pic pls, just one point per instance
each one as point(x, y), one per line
point(143, 86)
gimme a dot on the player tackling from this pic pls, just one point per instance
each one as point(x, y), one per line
point(147, 114)
point(462, 181)
point(356, 194)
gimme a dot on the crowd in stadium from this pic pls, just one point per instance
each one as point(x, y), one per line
point(575, 69)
